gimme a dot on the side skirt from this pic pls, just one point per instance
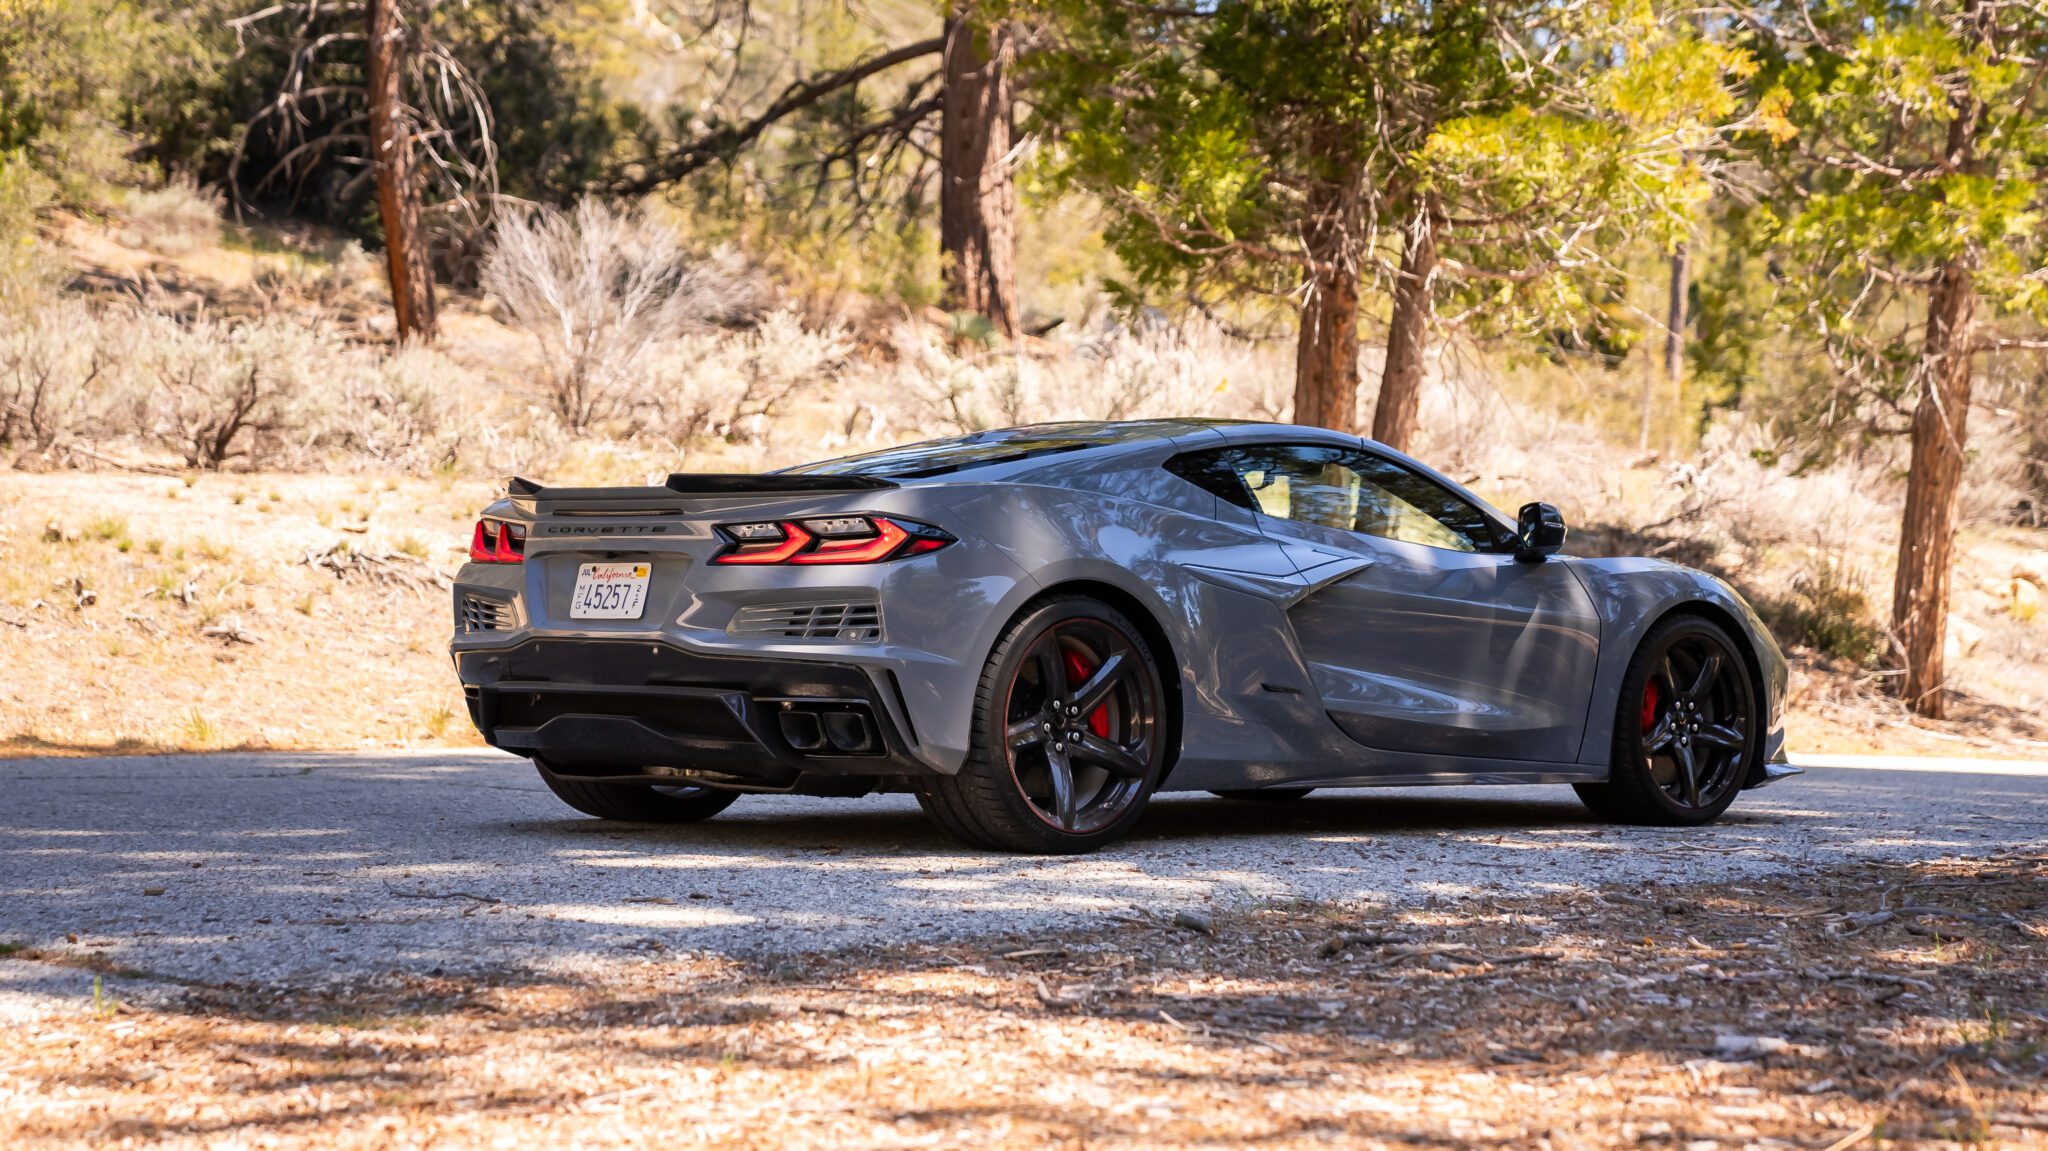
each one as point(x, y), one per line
point(1538, 773)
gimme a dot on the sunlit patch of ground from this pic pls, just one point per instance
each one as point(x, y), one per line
point(1889, 1005)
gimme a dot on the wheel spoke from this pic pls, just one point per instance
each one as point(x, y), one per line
point(1095, 692)
point(1061, 773)
point(1710, 670)
point(1025, 732)
point(1660, 736)
point(1722, 735)
point(1111, 757)
point(1669, 674)
point(1052, 670)
point(1688, 773)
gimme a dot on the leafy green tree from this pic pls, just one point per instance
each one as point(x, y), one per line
point(90, 87)
point(1477, 158)
point(1912, 155)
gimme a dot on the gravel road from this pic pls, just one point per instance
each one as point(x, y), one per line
point(262, 867)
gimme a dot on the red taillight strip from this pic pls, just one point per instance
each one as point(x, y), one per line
point(793, 540)
point(857, 551)
point(494, 542)
point(811, 546)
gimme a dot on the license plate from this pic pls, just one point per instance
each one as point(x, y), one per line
point(609, 591)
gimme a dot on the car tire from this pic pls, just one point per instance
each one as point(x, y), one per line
point(1687, 729)
point(1266, 794)
point(1065, 651)
point(638, 802)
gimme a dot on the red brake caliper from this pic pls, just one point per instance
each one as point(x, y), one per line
point(1649, 705)
point(1078, 671)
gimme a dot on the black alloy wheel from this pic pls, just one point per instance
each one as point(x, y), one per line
point(1686, 732)
point(1069, 735)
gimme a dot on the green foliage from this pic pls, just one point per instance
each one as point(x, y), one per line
point(89, 86)
point(1826, 609)
point(1905, 140)
point(1233, 144)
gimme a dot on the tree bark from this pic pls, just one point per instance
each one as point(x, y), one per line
point(977, 197)
point(1674, 316)
point(1395, 416)
point(1674, 330)
point(1927, 535)
point(1326, 353)
point(398, 193)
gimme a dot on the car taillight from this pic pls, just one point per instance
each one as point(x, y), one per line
point(497, 542)
point(828, 540)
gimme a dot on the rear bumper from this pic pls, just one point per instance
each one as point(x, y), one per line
point(637, 710)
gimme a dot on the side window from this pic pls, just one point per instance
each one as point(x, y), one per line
point(1408, 506)
point(1335, 488)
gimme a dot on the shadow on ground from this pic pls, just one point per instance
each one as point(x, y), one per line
point(1782, 1010)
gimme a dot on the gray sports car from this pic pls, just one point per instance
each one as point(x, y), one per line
point(1035, 629)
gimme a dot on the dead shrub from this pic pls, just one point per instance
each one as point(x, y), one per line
point(47, 375)
point(1187, 369)
point(733, 384)
point(175, 218)
point(600, 288)
point(223, 390)
point(395, 411)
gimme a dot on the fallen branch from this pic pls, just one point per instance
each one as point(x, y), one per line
point(124, 465)
point(1338, 943)
point(440, 895)
point(394, 569)
point(231, 630)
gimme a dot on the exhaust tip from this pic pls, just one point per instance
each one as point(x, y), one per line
point(849, 731)
point(800, 730)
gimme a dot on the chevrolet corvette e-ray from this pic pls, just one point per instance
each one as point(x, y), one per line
point(1035, 629)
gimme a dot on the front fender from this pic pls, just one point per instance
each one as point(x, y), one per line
point(1631, 596)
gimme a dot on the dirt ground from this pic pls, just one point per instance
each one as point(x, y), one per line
point(1881, 1005)
point(145, 613)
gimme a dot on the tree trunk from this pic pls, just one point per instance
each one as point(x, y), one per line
point(1326, 347)
point(1674, 316)
point(1395, 416)
point(1326, 354)
point(1927, 535)
point(398, 193)
point(977, 197)
point(1674, 332)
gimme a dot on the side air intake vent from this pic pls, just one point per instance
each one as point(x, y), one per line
point(481, 614)
point(846, 622)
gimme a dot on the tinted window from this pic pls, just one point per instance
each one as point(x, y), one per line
point(1338, 488)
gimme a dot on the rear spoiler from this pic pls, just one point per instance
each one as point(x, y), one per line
point(702, 484)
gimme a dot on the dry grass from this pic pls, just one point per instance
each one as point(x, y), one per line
point(131, 667)
point(1882, 1006)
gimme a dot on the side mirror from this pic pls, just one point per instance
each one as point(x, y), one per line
point(1539, 532)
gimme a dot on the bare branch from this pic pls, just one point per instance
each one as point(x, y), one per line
point(722, 142)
